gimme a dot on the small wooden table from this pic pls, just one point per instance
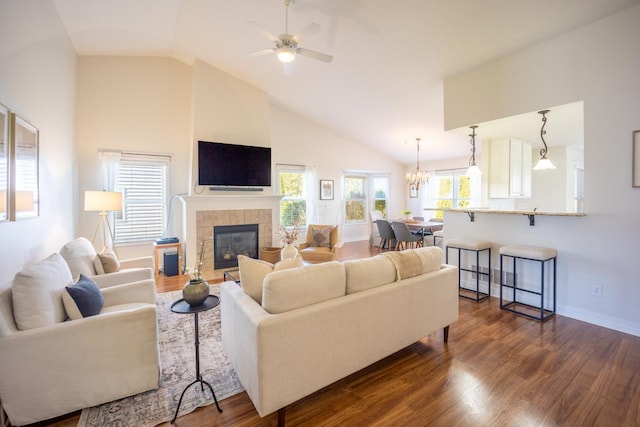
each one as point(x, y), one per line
point(157, 248)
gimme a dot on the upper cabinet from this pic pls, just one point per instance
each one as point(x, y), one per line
point(509, 168)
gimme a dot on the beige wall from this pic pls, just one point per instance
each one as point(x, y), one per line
point(37, 81)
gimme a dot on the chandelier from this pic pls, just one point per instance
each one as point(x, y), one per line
point(417, 177)
point(543, 163)
point(473, 170)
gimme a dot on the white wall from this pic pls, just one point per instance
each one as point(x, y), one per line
point(37, 81)
point(599, 65)
point(296, 140)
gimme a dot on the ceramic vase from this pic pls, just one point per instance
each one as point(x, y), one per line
point(289, 251)
point(195, 292)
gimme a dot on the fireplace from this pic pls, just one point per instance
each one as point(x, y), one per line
point(229, 241)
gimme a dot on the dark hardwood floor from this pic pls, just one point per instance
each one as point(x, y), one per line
point(498, 369)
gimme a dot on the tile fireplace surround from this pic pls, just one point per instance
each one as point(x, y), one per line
point(201, 213)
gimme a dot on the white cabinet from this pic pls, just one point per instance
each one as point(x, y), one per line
point(509, 168)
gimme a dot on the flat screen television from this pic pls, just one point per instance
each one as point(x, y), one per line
point(233, 165)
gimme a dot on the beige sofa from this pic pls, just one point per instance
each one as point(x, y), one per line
point(319, 323)
point(50, 365)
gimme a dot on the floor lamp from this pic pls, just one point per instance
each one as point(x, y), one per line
point(103, 201)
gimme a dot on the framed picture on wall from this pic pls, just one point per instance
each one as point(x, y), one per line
point(326, 189)
point(413, 192)
point(635, 170)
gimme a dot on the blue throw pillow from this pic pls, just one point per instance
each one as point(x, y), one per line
point(83, 299)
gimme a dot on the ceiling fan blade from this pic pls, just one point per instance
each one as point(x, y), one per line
point(258, 53)
point(264, 32)
point(315, 55)
point(310, 30)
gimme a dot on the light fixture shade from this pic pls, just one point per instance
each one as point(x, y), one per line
point(473, 171)
point(102, 201)
point(286, 54)
point(543, 164)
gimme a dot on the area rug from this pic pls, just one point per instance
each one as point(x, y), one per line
point(177, 355)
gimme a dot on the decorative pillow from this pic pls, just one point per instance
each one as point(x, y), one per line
point(37, 293)
point(83, 299)
point(320, 237)
point(97, 264)
point(253, 272)
point(79, 255)
point(109, 260)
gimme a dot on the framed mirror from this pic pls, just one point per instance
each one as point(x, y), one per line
point(25, 198)
point(4, 163)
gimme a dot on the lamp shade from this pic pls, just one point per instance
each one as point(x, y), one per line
point(102, 201)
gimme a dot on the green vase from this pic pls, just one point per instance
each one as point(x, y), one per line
point(195, 292)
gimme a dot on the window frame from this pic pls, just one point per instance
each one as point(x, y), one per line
point(304, 197)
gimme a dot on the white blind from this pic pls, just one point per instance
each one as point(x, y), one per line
point(142, 179)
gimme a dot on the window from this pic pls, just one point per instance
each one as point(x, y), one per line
point(292, 182)
point(381, 194)
point(453, 189)
point(142, 179)
point(355, 200)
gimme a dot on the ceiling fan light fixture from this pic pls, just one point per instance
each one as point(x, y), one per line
point(286, 54)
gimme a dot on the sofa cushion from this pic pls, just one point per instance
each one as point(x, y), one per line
point(79, 255)
point(37, 293)
point(109, 260)
point(432, 258)
point(291, 289)
point(253, 272)
point(82, 299)
point(367, 273)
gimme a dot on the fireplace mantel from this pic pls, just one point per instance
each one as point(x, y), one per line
point(198, 215)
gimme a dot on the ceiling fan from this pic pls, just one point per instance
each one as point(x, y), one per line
point(287, 46)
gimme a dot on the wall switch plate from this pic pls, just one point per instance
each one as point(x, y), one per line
point(596, 290)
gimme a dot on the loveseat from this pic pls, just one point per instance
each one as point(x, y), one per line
point(316, 324)
point(61, 351)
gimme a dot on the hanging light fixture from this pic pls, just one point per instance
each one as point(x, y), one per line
point(417, 177)
point(473, 169)
point(543, 163)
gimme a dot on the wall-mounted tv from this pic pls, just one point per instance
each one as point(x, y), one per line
point(233, 165)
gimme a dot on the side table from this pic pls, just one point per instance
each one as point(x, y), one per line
point(182, 307)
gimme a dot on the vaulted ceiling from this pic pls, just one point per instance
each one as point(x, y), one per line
point(385, 83)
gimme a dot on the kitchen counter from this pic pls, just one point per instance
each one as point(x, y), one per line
point(530, 214)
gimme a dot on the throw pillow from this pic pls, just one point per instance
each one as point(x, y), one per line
point(320, 237)
point(83, 299)
point(37, 293)
point(253, 272)
point(109, 260)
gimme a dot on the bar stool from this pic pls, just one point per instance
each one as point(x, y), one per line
point(475, 246)
point(437, 235)
point(515, 304)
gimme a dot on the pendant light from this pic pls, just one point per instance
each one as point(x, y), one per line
point(543, 163)
point(417, 177)
point(473, 170)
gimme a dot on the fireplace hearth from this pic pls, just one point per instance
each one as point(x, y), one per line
point(229, 241)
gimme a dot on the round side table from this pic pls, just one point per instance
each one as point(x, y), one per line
point(182, 307)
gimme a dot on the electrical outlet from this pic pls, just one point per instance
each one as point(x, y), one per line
point(596, 290)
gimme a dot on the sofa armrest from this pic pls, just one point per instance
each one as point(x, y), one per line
point(141, 262)
point(142, 291)
point(302, 246)
point(123, 276)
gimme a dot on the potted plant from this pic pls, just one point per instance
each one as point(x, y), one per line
point(196, 290)
point(289, 239)
point(406, 215)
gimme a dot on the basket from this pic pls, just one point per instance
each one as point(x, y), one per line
point(270, 254)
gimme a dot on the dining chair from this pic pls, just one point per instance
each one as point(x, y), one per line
point(387, 236)
point(375, 235)
point(404, 237)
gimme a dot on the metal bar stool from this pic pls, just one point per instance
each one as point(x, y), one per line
point(515, 304)
point(475, 246)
